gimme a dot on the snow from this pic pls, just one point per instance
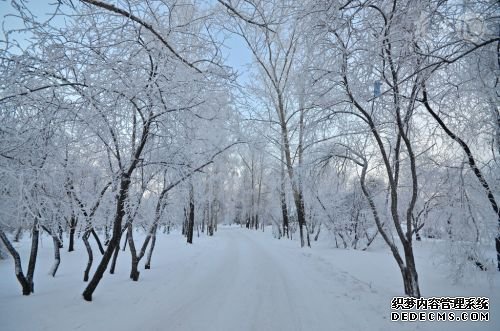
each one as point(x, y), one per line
point(237, 280)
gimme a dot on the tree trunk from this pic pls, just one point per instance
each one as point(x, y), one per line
point(284, 212)
point(184, 223)
point(205, 211)
point(411, 282)
point(106, 234)
point(115, 257)
point(152, 233)
point(72, 227)
point(407, 267)
point(284, 208)
point(25, 285)
point(134, 271)
point(119, 214)
point(85, 239)
point(147, 265)
point(116, 252)
point(33, 255)
point(57, 250)
point(301, 217)
point(212, 219)
point(317, 233)
point(57, 255)
point(497, 246)
point(2, 252)
point(409, 273)
point(308, 239)
point(190, 223)
point(298, 197)
point(98, 241)
point(125, 242)
point(19, 232)
point(60, 235)
point(114, 241)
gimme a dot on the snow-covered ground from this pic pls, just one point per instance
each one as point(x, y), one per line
point(237, 280)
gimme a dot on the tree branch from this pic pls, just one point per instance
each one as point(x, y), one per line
point(146, 25)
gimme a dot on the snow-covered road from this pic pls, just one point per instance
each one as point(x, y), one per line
point(244, 285)
point(237, 280)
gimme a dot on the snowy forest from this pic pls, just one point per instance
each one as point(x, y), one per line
point(182, 151)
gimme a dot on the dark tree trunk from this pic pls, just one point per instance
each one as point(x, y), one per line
point(57, 255)
point(190, 223)
point(147, 265)
point(301, 217)
point(116, 252)
point(33, 256)
point(106, 234)
point(72, 228)
point(19, 232)
point(370, 239)
point(136, 258)
point(125, 242)
point(134, 270)
point(61, 232)
point(114, 241)
point(113, 262)
point(184, 223)
point(209, 218)
point(205, 213)
point(409, 273)
point(343, 240)
point(284, 213)
point(317, 233)
point(25, 285)
point(85, 239)
point(152, 233)
point(210, 225)
point(57, 250)
point(98, 241)
point(101, 268)
point(497, 245)
point(284, 207)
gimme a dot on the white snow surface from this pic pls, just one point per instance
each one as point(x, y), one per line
point(237, 280)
